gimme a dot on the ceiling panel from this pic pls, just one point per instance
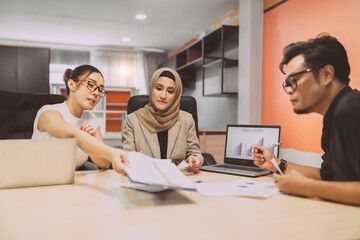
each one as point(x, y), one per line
point(169, 25)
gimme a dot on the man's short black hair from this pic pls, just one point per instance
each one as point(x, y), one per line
point(318, 52)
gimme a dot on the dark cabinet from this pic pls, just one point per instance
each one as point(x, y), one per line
point(24, 69)
point(8, 68)
point(216, 55)
point(220, 69)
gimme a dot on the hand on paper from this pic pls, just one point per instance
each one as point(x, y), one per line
point(119, 158)
point(262, 157)
point(194, 164)
point(293, 182)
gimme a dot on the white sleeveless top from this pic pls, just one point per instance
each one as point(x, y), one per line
point(62, 108)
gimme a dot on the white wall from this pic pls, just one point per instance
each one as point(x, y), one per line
point(214, 112)
point(302, 158)
point(250, 61)
point(250, 76)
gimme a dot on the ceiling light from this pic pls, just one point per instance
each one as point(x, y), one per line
point(126, 39)
point(141, 16)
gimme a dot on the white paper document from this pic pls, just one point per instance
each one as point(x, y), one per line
point(242, 187)
point(152, 171)
point(144, 187)
point(182, 166)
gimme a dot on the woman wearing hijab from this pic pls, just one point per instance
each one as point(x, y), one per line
point(161, 129)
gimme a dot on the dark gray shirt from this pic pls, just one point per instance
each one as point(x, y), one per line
point(341, 138)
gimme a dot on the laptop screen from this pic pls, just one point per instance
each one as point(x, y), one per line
point(240, 141)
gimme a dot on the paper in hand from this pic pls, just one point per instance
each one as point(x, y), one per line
point(182, 166)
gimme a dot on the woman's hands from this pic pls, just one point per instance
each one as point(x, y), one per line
point(119, 158)
point(86, 127)
point(194, 164)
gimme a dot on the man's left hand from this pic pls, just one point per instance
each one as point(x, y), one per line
point(293, 182)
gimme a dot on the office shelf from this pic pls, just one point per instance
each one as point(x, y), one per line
point(220, 70)
point(194, 52)
point(216, 55)
point(117, 104)
point(111, 110)
point(181, 59)
point(195, 64)
point(213, 64)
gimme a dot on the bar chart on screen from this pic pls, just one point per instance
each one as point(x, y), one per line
point(247, 150)
point(241, 141)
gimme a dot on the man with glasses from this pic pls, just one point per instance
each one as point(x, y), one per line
point(317, 78)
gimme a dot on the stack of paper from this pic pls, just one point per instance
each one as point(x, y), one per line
point(242, 187)
point(154, 175)
point(156, 172)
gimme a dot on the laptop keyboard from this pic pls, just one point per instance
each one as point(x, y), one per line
point(241, 168)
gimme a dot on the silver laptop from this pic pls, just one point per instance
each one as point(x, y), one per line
point(28, 163)
point(238, 157)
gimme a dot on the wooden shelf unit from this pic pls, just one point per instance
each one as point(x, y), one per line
point(194, 52)
point(111, 110)
point(116, 107)
point(220, 71)
point(216, 55)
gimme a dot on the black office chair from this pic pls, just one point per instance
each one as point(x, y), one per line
point(187, 104)
point(18, 112)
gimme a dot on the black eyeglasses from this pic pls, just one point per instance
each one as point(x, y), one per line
point(291, 82)
point(93, 87)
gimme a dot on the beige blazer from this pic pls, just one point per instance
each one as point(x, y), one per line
point(182, 139)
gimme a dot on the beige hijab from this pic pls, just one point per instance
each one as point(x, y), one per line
point(157, 121)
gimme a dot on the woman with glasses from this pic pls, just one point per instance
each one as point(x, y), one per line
point(161, 129)
point(70, 119)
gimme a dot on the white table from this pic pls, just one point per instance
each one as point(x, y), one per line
point(96, 207)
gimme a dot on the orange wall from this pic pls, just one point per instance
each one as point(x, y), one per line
point(293, 21)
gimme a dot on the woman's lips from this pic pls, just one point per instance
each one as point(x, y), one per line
point(91, 101)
